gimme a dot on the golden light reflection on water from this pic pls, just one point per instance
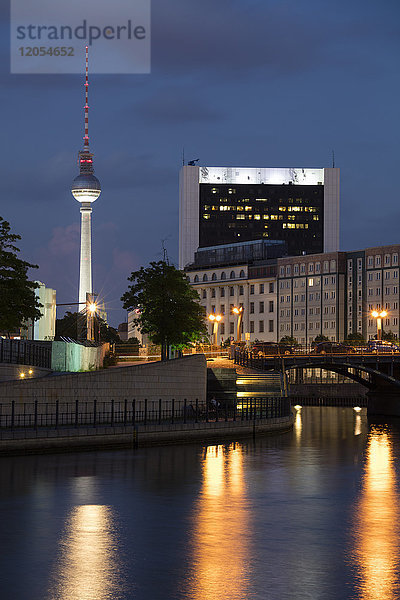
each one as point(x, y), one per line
point(221, 529)
point(297, 425)
point(376, 523)
point(87, 565)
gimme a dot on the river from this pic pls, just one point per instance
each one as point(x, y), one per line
point(310, 514)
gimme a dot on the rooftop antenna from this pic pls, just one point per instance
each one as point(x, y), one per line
point(183, 156)
point(86, 138)
point(165, 253)
point(333, 159)
point(192, 163)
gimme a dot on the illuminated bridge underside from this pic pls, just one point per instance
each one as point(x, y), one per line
point(371, 371)
point(364, 375)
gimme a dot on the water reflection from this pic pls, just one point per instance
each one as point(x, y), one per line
point(221, 529)
point(376, 524)
point(297, 425)
point(87, 567)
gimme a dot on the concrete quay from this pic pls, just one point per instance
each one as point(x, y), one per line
point(69, 439)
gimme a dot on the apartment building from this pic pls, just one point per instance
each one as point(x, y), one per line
point(311, 296)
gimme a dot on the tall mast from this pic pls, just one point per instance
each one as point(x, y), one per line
point(86, 137)
point(86, 189)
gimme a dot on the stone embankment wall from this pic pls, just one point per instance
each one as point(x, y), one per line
point(179, 379)
point(328, 390)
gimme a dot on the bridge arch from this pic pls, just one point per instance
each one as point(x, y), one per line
point(351, 371)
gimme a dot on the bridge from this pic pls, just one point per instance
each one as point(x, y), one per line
point(379, 373)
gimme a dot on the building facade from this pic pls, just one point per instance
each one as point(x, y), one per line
point(329, 294)
point(221, 289)
point(227, 205)
point(312, 296)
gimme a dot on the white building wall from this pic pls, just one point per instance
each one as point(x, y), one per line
point(219, 292)
point(331, 209)
point(188, 214)
point(45, 327)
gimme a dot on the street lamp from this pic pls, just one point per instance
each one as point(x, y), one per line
point(91, 309)
point(239, 312)
point(379, 315)
point(215, 319)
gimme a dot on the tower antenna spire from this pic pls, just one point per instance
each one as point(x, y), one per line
point(86, 137)
point(86, 189)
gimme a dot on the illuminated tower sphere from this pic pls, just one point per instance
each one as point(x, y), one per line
point(86, 189)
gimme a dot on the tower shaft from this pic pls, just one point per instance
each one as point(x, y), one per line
point(85, 270)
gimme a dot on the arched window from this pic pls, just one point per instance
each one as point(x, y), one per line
point(205, 278)
point(232, 276)
point(196, 279)
point(214, 277)
point(242, 273)
point(223, 276)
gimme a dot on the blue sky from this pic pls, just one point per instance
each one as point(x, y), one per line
point(234, 82)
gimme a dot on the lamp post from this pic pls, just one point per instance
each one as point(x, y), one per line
point(91, 308)
point(215, 319)
point(379, 315)
point(239, 312)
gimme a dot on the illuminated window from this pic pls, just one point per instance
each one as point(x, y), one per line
point(240, 217)
point(274, 217)
point(311, 282)
point(257, 217)
point(248, 208)
point(265, 216)
point(206, 216)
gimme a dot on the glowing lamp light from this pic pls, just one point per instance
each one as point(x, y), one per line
point(22, 375)
point(357, 409)
point(30, 371)
point(376, 314)
point(297, 407)
point(215, 318)
point(92, 307)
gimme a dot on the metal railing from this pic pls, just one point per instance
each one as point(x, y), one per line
point(25, 352)
point(133, 412)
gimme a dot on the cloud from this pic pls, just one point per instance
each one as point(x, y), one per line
point(177, 104)
point(64, 241)
point(125, 261)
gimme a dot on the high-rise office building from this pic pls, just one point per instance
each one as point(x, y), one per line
point(225, 205)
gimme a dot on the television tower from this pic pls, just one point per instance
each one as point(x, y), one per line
point(86, 189)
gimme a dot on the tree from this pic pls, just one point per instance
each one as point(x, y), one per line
point(355, 339)
point(389, 336)
point(319, 338)
point(287, 339)
point(168, 307)
point(72, 322)
point(18, 301)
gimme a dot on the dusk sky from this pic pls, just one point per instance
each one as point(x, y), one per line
point(247, 83)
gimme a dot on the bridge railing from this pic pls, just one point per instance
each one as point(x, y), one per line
point(36, 414)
